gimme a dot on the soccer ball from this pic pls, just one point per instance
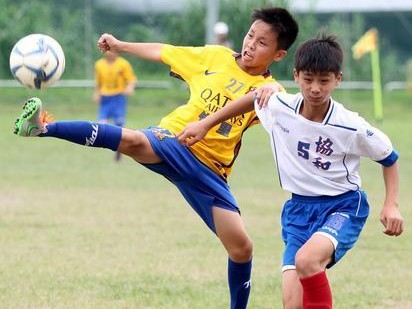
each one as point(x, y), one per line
point(37, 61)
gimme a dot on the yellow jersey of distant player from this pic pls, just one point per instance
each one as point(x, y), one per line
point(112, 78)
point(214, 80)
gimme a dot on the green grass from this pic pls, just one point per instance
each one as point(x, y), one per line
point(78, 230)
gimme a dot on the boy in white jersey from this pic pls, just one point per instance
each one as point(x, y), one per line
point(216, 76)
point(317, 144)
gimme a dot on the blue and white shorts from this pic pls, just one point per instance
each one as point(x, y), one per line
point(339, 218)
point(201, 187)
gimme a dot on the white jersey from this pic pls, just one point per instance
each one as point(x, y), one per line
point(315, 158)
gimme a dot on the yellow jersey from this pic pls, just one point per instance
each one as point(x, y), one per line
point(112, 78)
point(214, 79)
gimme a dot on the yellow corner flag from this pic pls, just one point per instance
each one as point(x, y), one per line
point(366, 44)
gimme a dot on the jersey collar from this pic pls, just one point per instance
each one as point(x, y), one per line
point(328, 113)
point(265, 74)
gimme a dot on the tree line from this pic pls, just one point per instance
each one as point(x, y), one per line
point(77, 24)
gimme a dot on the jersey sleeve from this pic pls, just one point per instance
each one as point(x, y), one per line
point(129, 73)
point(373, 143)
point(184, 61)
point(266, 114)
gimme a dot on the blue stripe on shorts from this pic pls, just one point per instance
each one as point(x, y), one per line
point(201, 187)
point(340, 218)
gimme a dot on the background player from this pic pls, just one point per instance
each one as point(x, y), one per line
point(317, 143)
point(115, 81)
point(216, 75)
point(221, 33)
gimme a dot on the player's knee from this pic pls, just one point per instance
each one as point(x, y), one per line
point(306, 264)
point(131, 141)
point(243, 252)
point(311, 262)
point(136, 145)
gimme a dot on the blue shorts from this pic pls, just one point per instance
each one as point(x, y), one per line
point(201, 187)
point(113, 108)
point(339, 218)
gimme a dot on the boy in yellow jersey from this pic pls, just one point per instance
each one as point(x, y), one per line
point(115, 81)
point(216, 76)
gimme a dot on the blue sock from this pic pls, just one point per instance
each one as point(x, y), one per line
point(239, 283)
point(86, 133)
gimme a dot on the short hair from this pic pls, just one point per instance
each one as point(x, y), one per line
point(320, 54)
point(282, 23)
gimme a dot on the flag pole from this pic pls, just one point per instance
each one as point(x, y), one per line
point(377, 85)
point(368, 43)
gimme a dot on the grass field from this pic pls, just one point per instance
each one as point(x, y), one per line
point(78, 230)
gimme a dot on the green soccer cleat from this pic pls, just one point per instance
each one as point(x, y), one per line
point(29, 123)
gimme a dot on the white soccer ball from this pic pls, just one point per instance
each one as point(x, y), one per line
point(37, 61)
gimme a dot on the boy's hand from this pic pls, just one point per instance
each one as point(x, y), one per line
point(96, 97)
point(192, 133)
point(392, 220)
point(108, 42)
point(264, 93)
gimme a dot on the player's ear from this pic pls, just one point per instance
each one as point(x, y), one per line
point(279, 55)
point(339, 78)
point(295, 75)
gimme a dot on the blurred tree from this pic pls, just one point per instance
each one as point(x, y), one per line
point(18, 19)
point(188, 29)
point(146, 33)
point(77, 24)
point(63, 21)
point(349, 27)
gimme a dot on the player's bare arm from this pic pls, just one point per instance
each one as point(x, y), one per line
point(195, 131)
point(129, 88)
point(390, 215)
point(148, 51)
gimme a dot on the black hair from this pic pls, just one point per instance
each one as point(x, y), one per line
point(319, 55)
point(282, 23)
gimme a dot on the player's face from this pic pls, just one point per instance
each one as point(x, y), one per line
point(110, 56)
point(260, 49)
point(317, 88)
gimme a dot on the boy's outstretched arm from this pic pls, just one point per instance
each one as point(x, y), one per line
point(148, 51)
point(195, 131)
point(390, 215)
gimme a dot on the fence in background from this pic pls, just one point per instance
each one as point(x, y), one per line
point(160, 84)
